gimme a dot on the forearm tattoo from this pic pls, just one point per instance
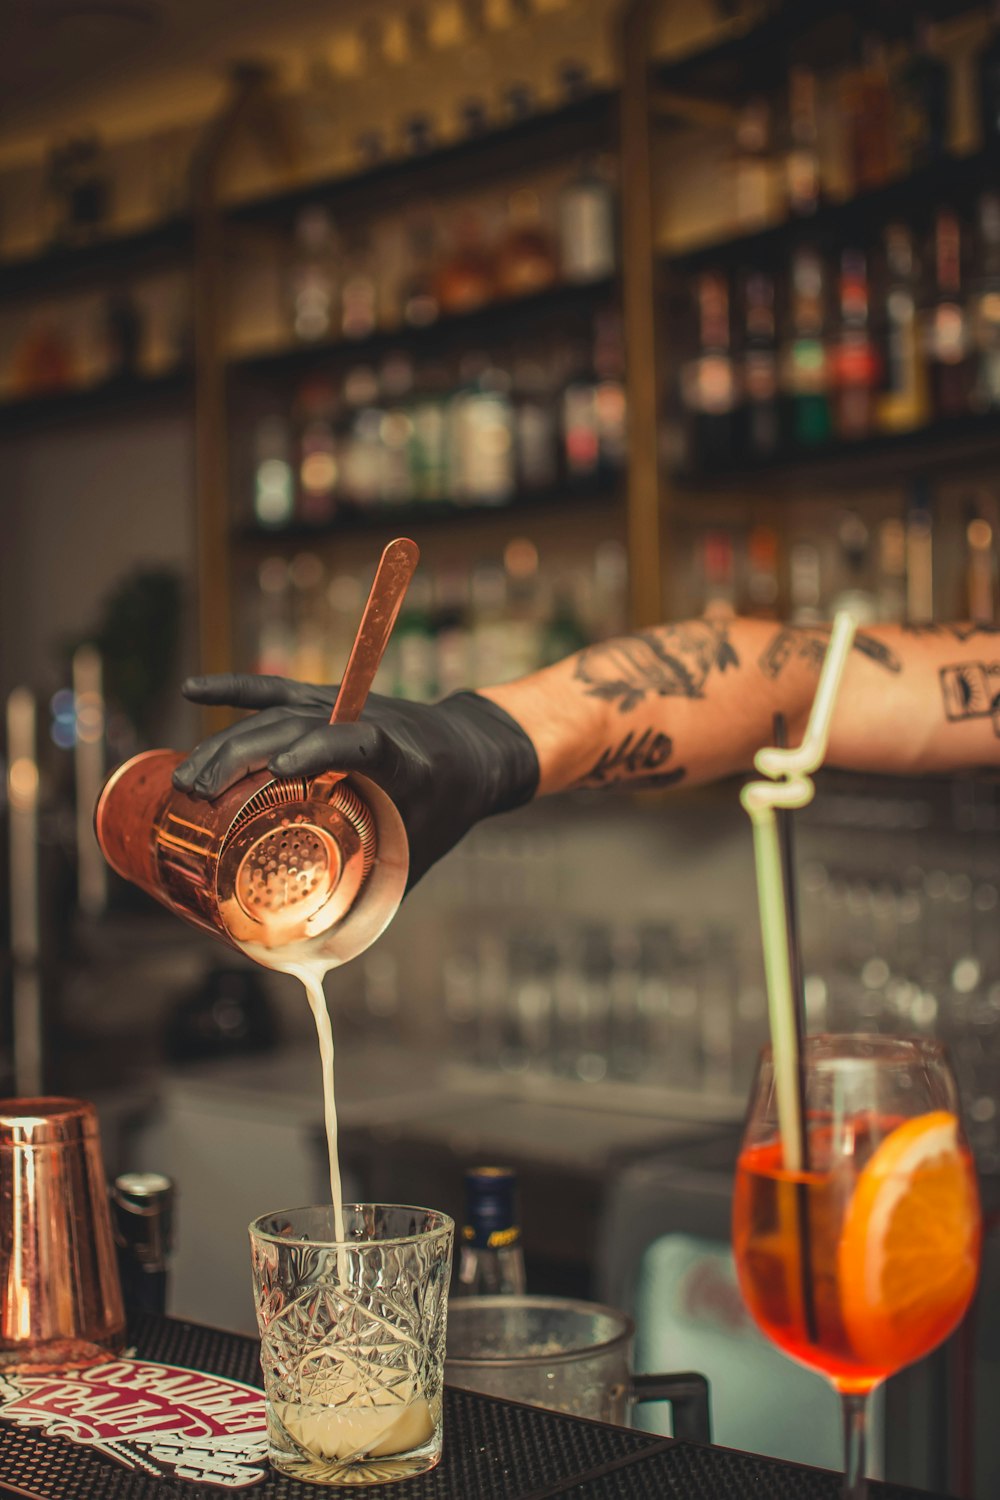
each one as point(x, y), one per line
point(672, 661)
point(965, 630)
point(638, 759)
point(971, 690)
point(808, 643)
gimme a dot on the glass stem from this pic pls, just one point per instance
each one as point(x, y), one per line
point(855, 1409)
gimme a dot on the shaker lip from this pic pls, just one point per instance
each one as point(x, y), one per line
point(46, 1120)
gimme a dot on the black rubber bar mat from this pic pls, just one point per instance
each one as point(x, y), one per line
point(493, 1450)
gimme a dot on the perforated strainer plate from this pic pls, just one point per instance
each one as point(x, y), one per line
point(290, 869)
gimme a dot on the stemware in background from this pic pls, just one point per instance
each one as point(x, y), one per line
point(866, 1259)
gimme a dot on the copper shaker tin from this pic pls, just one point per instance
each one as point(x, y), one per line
point(60, 1296)
point(269, 865)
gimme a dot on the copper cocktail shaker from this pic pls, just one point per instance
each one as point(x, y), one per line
point(60, 1297)
point(318, 867)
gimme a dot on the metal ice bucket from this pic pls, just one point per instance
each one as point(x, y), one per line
point(565, 1355)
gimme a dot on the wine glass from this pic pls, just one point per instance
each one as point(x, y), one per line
point(867, 1257)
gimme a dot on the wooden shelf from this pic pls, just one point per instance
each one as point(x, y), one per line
point(567, 499)
point(954, 179)
point(498, 319)
point(66, 267)
point(108, 401)
point(584, 124)
point(938, 450)
point(822, 34)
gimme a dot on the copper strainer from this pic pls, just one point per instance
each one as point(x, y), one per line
point(274, 862)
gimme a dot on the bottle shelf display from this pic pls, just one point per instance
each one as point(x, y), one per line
point(460, 626)
point(858, 330)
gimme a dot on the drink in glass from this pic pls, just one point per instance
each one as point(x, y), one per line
point(352, 1339)
point(867, 1257)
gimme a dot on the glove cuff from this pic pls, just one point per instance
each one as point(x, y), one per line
point(505, 759)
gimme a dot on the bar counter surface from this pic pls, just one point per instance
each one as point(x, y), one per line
point(493, 1450)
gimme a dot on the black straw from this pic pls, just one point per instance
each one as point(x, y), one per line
point(787, 850)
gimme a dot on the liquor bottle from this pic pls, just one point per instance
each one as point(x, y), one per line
point(985, 305)
point(802, 176)
point(854, 595)
point(760, 365)
point(856, 363)
point(718, 560)
point(805, 365)
point(536, 435)
point(477, 67)
point(312, 278)
point(358, 290)
point(412, 82)
point(903, 402)
point(275, 651)
point(492, 1258)
point(419, 293)
point(586, 223)
point(123, 336)
point(989, 83)
point(396, 484)
point(526, 612)
point(951, 369)
point(307, 577)
point(362, 445)
point(708, 382)
point(274, 480)
point(805, 578)
point(318, 471)
point(581, 446)
point(753, 166)
point(429, 443)
point(867, 105)
point(919, 556)
point(921, 95)
point(481, 423)
point(452, 635)
point(416, 654)
point(980, 569)
point(609, 392)
point(762, 573)
point(467, 279)
point(892, 570)
point(526, 259)
point(142, 1223)
point(564, 631)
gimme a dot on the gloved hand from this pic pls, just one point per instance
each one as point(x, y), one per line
point(445, 765)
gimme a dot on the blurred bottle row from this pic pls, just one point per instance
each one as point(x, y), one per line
point(476, 430)
point(459, 627)
point(886, 115)
point(924, 564)
point(346, 283)
point(843, 343)
point(140, 329)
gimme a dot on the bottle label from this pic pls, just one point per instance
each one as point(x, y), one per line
point(496, 1239)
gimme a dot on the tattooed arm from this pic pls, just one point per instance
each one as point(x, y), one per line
point(680, 703)
point(694, 701)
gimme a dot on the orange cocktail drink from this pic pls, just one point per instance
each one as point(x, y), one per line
point(857, 1248)
point(893, 1242)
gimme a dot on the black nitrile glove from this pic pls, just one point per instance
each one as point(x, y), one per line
point(445, 765)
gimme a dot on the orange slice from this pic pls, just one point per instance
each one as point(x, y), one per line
point(908, 1256)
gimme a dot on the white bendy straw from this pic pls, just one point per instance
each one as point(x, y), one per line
point(789, 786)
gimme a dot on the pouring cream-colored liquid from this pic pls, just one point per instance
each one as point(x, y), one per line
point(347, 1430)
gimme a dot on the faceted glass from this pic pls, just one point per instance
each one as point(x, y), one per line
point(353, 1339)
